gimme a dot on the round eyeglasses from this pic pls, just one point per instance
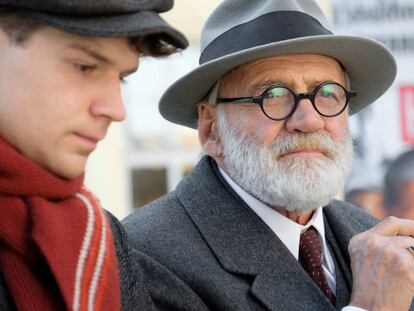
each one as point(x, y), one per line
point(278, 102)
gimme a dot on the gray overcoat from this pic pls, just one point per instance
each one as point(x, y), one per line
point(229, 259)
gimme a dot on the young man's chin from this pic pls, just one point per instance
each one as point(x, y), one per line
point(68, 167)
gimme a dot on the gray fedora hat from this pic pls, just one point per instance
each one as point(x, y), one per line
point(106, 18)
point(240, 31)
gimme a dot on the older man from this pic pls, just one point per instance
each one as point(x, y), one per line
point(61, 67)
point(255, 225)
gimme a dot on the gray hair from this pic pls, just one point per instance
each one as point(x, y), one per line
point(401, 170)
point(213, 95)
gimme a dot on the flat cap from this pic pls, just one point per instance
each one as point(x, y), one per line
point(112, 18)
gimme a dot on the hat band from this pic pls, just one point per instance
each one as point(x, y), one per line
point(263, 30)
point(5, 7)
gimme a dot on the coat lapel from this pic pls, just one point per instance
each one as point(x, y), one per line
point(227, 224)
point(346, 226)
point(244, 245)
point(343, 276)
point(282, 284)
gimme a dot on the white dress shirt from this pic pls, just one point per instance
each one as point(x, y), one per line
point(289, 231)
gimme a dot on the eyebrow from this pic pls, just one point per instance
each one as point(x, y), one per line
point(98, 56)
point(265, 84)
point(262, 85)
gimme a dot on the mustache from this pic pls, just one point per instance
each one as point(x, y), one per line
point(320, 141)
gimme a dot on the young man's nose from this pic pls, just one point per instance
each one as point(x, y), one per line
point(108, 103)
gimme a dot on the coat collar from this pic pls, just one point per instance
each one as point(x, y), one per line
point(224, 220)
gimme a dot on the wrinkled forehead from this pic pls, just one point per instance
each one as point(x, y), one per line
point(289, 62)
point(312, 68)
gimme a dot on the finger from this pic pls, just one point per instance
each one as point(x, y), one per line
point(392, 226)
point(391, 249)
point(411, 250)
point(403, 242)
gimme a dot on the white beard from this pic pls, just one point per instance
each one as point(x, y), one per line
point(292, 183)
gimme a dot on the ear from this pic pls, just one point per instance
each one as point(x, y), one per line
point(208, 130)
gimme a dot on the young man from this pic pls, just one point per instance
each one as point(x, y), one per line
point(61, 66)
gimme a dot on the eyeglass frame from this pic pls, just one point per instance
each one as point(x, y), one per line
point(297, 97)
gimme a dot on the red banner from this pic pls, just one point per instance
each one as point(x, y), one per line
point(407, 113)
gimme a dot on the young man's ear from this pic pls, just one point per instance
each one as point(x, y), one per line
point(208, 132)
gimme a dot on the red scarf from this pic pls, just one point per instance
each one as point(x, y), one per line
point(56, 244)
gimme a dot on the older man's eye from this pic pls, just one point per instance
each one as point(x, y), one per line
point(276, 92)
point(328, 91)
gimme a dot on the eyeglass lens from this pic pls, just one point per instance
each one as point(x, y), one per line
point(279, 101)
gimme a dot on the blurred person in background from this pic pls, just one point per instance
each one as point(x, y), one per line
point(254, 225)
point(399, 186)
point(61, 68)
point(367, 198)
point(364, 190)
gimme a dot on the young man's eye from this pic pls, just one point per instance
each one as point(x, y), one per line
point(84, 67)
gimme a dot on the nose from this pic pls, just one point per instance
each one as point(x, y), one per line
point(108, 102)
point(305, 119)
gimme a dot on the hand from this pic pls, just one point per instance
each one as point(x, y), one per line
point(382, 267)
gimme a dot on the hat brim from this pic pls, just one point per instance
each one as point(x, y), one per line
point(141, 23)
point(370, 66)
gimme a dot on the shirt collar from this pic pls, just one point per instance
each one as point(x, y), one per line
point(287, 230)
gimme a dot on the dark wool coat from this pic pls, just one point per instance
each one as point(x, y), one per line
point(231, 260)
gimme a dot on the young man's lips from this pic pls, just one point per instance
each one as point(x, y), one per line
point(90, 141)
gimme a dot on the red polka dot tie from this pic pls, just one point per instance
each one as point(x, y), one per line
point(310, 257)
